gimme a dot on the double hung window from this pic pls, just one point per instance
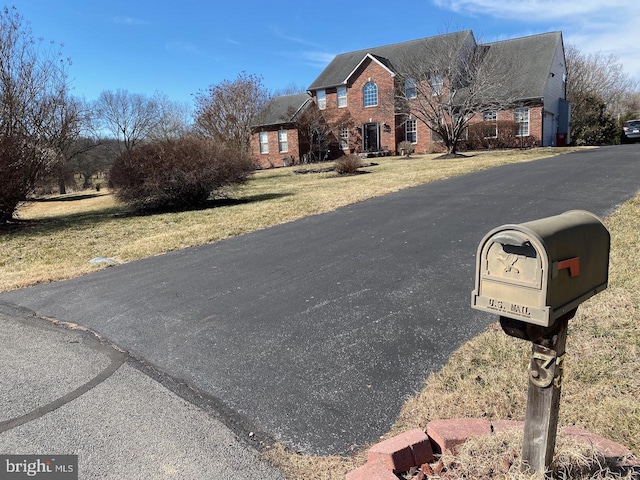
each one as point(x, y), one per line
point(410, 90)
point(458, 121)
point(344, 138)
point(490, 127)
point(411, 131)
point(321, 97)
point(264, 142)
point(437, 84)
point(283, 145)
point(521, 116)
point(342, 97)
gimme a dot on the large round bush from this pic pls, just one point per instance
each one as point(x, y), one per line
point(176, 173)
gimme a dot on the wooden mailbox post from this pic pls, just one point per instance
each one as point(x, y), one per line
point(534, 275)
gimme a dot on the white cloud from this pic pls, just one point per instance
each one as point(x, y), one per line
point(301, 41)
point(591, 25)
point(528, 10)
point(619, 42)
point(318, 59)
point(600, 33)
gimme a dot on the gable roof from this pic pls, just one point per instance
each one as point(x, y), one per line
point(533, 56)
point(283, 109)
point(343, 65)
point(383, 62)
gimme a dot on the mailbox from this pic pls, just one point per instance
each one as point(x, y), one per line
point(538, 271)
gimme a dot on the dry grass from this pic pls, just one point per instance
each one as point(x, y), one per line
point(61, 235)
point(485, 378)
point(498, 457)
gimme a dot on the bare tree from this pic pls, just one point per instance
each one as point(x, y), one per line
point(449, 81)
point(291, 89)
point(130, 117)
point(31, 79)
point(71, 121)
point(600, 75)
point(226, 112)
point(601, 93)
point(631, 105)
point(174, 118)
point(95, 156)
point(322, 133)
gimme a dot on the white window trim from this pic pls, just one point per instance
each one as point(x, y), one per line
point(344, 139)
point(322, 103)
point(364, 98)
point(415, 130)
point(436, 82)
point(413, 88)
point(282, 143)
point(464, 135)
point(343, 97)
point(494, 119)
point(518, 115)
point(264, 145)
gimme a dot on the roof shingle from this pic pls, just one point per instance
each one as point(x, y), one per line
point(283, 109)
point(534, 55)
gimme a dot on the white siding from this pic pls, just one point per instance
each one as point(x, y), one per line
point(553, 91)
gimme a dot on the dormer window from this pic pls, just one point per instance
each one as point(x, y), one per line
point(370, 94)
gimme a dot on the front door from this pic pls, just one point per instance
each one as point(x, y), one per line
point(371, 137)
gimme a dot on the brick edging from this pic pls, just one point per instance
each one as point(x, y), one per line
point(416, 447)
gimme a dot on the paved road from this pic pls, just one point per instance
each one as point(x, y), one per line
point(316, 331)
point(62, 391)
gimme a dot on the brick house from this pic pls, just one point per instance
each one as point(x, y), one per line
point(365, 83)
point(276, 141)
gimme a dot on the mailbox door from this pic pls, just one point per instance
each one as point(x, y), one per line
point(512, 269)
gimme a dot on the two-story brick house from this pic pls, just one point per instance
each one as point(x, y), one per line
point(365, 83)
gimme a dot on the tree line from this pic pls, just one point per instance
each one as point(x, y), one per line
point(160, 152)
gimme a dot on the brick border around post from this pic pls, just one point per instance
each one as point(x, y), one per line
point(403, 451)
point(416, 447)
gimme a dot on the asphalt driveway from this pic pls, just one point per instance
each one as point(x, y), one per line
point(315, 332)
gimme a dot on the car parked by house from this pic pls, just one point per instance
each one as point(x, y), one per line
point(630, 131)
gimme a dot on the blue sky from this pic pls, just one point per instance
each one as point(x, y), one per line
point(181, 47)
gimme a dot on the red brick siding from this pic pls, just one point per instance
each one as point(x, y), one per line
point(275, 158)
point(382, 113)
point(535, 120)
point(423, 136)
